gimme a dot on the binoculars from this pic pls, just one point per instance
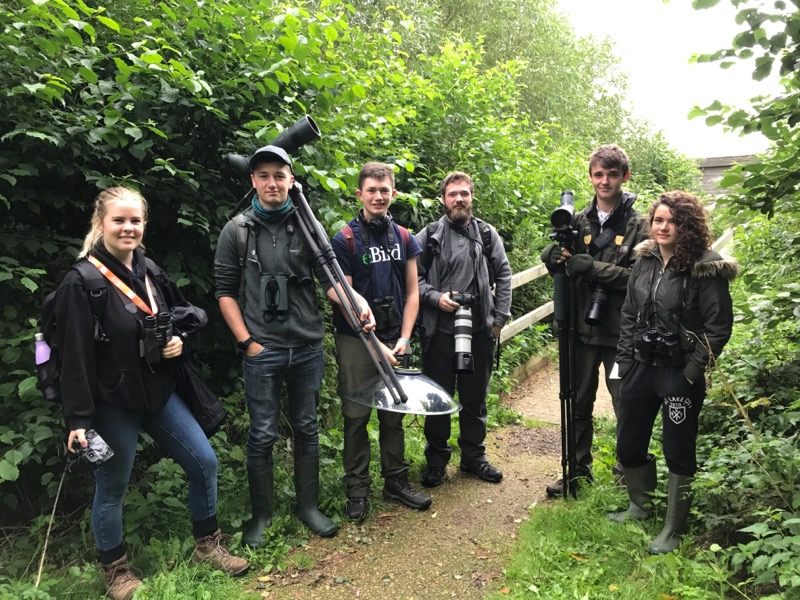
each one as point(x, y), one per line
point(660, 348)
point(385, 314)
point(156, 334)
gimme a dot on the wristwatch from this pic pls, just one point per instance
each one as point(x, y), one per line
point(245, 344)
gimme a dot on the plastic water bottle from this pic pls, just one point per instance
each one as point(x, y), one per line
point(42, 353)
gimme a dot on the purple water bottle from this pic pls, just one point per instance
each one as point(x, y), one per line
point(42, 356)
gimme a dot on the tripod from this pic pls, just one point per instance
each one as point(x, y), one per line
point(323, 255)
point(564, 313)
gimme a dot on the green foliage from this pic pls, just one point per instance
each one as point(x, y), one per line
point(755, 416)
point(151, 96)
point(770, 38)
point(572, 550)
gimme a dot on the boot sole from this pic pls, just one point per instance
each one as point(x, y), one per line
point(415, 506)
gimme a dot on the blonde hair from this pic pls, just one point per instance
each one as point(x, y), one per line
point(101, 203)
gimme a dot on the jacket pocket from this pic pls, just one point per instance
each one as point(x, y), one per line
point(126, 392)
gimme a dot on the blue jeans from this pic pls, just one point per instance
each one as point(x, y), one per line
point(301, 368)
point(175, 430)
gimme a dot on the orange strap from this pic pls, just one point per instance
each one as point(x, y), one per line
point(125, 289)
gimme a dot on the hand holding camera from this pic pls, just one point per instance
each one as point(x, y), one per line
point(96, 451)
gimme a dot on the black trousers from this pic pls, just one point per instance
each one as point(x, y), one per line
point(588, 358)
point(643, 391)
point(437, 363)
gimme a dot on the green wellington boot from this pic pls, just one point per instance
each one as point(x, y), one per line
point(679, 501)
point(261, 484)
point(306, 486)
point(640, 483)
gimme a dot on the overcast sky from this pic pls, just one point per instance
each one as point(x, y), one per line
point(655, 41)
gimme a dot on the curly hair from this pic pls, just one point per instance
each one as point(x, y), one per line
point(691, 226)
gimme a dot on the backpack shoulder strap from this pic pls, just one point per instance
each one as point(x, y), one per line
point(486, 236)
point(241, 230)
point(95, 286)
point(347, 232)
point(404, 235)
point(486, 241)
point(432, 245)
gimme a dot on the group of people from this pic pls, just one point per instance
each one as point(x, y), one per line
point(265, 271)
point(668, 314)
point(396, 278)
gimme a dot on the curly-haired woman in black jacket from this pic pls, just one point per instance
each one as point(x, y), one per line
point(676, 319)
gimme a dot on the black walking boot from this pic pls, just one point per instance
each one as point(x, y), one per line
point(399, 488)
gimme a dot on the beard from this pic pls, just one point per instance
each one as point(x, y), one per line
point(459, 216)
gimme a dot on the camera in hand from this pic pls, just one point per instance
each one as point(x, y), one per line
point(462, 330)
point(597, 306)
point(385, 314)
point(464, 299)
point(96, 452)
point(156, 334)
point(660, 348)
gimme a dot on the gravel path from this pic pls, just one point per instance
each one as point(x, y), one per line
point(458, 548)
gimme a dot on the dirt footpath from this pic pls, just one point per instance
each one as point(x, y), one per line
point(457, 549)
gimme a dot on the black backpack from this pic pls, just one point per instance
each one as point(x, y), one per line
point(486, 241)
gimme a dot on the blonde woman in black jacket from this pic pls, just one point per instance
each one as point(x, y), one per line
point(113, 384)
point(676, 319)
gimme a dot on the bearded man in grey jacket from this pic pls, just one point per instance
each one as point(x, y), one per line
point(462, 260)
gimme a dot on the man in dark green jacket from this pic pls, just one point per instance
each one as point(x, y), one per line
point(608, 230)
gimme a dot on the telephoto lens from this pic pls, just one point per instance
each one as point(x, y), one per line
point(597, 306)
point(462, 359)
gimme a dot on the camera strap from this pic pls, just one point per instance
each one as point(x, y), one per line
point(123, 287)
point(615, 226)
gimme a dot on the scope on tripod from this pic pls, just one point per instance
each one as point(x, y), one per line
point(561, 217)
point(291, 139)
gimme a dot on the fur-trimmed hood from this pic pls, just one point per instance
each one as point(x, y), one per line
point(710, 264)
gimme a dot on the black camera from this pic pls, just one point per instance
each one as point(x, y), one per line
point(660, 348)
point(464, 299)
point(156, 334)
point(597, 306)
point(385, 313)
point(96, 452)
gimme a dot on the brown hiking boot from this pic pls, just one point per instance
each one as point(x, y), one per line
point(121, 581)
point(210, 549)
